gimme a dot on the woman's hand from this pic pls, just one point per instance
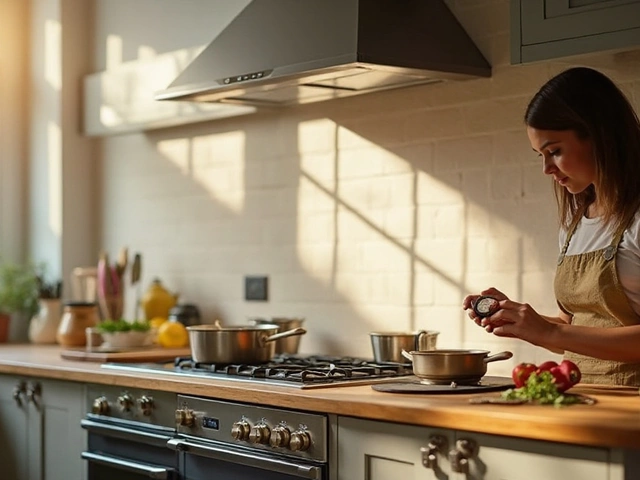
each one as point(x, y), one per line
point(519, 320)
point(470, 300)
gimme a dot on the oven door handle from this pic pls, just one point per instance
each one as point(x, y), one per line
point(149, 471)
point(271, 464)
point(147, 438)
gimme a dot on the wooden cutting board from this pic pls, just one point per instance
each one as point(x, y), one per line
point(145, 354)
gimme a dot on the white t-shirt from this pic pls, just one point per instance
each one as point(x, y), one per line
point(591, 235)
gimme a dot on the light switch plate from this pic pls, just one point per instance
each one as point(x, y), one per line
point(256, 288)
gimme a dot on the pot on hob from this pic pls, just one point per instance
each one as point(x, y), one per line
point(441, 367)
point(235, 344)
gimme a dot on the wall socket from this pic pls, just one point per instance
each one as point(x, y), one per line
point(255, 288)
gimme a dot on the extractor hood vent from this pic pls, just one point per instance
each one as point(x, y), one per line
point(287, 52)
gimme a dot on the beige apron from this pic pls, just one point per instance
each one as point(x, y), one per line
point(587, 287)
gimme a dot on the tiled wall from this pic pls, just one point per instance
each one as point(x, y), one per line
point(378, 212)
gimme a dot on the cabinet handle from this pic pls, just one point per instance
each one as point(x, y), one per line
point(459, 456)
point(437, 444)
point(18, 391)
point(33, 392)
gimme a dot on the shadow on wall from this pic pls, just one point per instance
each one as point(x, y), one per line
point(374, 213)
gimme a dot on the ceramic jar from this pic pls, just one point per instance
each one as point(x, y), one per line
point(76, 317)
point(43, 327)
point(158, 301)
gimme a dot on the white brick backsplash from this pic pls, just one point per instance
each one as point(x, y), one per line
point(376, 212)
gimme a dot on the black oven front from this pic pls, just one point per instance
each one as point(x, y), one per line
point(127, 434)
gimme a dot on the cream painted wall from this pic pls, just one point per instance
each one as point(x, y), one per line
point(378, 212)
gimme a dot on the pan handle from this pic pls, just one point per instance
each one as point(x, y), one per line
point(498, 356)
point(288, 333)
point(407, 355)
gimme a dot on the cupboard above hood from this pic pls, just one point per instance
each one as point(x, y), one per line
point(287, 52)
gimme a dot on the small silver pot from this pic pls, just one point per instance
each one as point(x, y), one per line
point(287, 344)
point(388, 346)
point(446, 366)
point(225, 345)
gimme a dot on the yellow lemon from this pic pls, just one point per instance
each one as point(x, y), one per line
point(155, 322)
point(173, 334)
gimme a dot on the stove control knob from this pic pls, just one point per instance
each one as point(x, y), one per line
point(125, 401)
point(100, 406)
point(259, 433)
point(280, 436)
point(300, 441)
point(185, 417)
point(145, 404)
point(240, 430)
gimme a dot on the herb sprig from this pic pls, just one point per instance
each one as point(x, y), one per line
point(111, 326)
point(541, 388)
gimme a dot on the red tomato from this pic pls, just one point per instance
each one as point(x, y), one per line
point(521, 373)
point(560, 379)
point(571, 371)
point(546, 366)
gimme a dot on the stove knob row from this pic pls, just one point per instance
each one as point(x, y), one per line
point(278, 437)
point(145, 403)
point(185, 417)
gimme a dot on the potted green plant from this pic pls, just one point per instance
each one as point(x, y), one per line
point(19, 291)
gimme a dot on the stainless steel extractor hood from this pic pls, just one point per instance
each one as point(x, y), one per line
point(286, 52)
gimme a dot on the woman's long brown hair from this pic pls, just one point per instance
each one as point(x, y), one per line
point(590, 104)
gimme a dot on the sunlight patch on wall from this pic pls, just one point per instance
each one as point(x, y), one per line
point(219, 166)
point(54, 165)
point(146, 52)
point(177, 150)
point(53, 53)
point(114, 50)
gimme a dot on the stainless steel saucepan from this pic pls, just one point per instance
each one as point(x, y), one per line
point(388, 346)
point(241, 344)
point(446, 366)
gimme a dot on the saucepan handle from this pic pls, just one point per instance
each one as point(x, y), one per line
point(288, 333)
point(407, 355)
point(498, 356)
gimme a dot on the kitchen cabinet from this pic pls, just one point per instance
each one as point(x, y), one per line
point(373, 450)
point(40, 434)
point(546, 29)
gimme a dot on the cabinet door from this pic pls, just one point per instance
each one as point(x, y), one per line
point(544, 29)
point(61, 408)
point(506, 458)
point(14, 452)
point(369, 450)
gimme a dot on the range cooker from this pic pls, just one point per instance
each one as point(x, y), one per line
point(138, 434)
point(135, 434)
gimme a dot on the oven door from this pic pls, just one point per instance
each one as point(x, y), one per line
point(208, 460)
point(127, 453)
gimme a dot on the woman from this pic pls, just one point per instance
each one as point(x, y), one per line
point(588, 137)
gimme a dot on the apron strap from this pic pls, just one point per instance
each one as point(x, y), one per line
point(572, 228)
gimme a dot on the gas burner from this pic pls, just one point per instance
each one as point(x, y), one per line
point(298, 371)
point(301, 369)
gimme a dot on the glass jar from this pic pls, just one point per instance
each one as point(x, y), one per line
point(76, 317)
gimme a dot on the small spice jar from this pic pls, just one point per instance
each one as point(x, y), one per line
point(76, 318)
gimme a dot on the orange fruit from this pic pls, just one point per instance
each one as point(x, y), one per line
point(173, 334)
point(155, 322)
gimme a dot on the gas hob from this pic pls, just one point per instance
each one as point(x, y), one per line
point(297, 371)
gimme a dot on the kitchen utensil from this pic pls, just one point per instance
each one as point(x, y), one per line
point(136, 274)
point(288, 344)
point(446, 366)
point(242, 344)
point(388, 346)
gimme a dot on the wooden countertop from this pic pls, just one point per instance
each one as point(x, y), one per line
point(614, 421)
